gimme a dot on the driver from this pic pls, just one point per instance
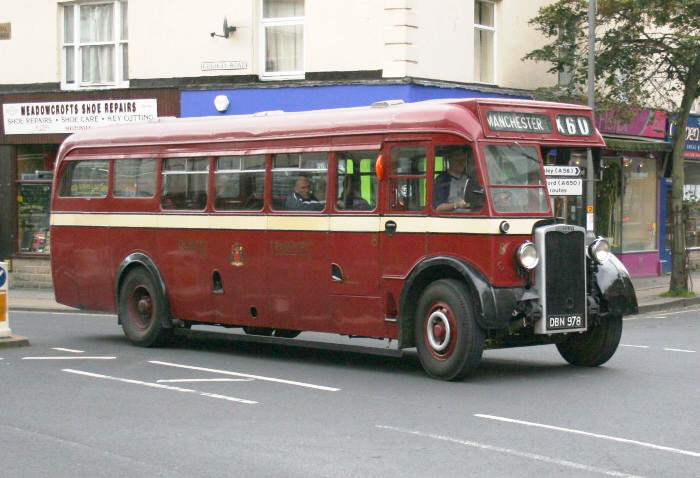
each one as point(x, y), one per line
point(450, 186)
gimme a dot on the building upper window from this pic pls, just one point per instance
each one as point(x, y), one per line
point(282, 39)
point(95, 45)
point(484, 41)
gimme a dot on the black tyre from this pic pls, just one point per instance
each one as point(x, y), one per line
point(595, 346)
point(448, 339)
point(142, 310)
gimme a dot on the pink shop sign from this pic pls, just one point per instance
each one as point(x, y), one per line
point(650, 124)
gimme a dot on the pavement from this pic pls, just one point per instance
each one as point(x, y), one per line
point(648, 290)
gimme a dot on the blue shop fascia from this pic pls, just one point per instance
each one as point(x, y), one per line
point(306, 96)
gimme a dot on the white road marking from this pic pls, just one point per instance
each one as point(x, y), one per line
point(682, 311)
point(679, 350)
point(594, 435)
point(70, 357)
point(256, 377)
point(61, 349)
point(157, 385)
point(74, 314)
point(635, 346)
point(509, 451)
point(180, 380)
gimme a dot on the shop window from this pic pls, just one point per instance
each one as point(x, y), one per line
point(95, 44)
point(639, 204)
point(240, 182)
point(626, 200)
point(299, 181)
point(691, 205)
point(484, 41)
point(185, 183)
point(34, 175)
point(134, 177)
point(282, 39)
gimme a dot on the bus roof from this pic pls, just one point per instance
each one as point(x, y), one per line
point(464, 117)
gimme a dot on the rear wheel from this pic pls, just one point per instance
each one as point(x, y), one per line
point(448, 339)
point(595, 346)
point(142, 310)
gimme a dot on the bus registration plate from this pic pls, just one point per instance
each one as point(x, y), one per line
point(562, 322)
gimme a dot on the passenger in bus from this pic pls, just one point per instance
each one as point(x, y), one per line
point(302, 198)
point(457, 188)
point(351, 196)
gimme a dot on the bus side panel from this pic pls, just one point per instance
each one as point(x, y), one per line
point(182, 260)
point(240, 258)
point(356, 302)
point(298, 280)
point(63, 270)
point(83, 277)
point(493, 255)
point(128, 240)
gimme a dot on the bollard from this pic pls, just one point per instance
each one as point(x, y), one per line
point(6, 337)
point(4, 316)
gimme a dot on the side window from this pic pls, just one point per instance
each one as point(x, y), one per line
point(134, 178)
point(299, 181)
point(407, 178)
point(357, 181)
point(185, 183)
point(85, 179)
point(456, 185)
point(239, 182)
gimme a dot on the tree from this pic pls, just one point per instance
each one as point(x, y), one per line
point(647, 55)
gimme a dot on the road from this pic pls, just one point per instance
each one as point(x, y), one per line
point(82, 401)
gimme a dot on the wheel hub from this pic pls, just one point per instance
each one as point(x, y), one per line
point(144, 306)
point(438, 330)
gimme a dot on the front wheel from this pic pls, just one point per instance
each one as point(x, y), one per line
point(142, 310)
point(595, 346)
point(448, 339)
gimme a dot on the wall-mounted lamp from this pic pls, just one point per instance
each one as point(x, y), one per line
point(221, 103)
point(227, 30)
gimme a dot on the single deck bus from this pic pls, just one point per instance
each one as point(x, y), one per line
point(429, 223)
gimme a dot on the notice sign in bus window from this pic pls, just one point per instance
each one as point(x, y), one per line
point(520, 122)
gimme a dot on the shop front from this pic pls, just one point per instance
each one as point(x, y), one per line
point(32, 127)
point(630, 190)
point(691, 194)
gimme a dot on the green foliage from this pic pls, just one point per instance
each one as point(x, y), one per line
point(644, 49)
point(647, 54)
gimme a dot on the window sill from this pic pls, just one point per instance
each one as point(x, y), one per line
point(84, 87)
point(282, 77)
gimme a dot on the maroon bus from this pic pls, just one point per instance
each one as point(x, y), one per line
point(429, 223)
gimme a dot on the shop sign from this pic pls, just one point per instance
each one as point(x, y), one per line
point(565, 186)
point(72, 116)
point(520, 122)
point(223, 65)
point(650, 124)
point(692, 136)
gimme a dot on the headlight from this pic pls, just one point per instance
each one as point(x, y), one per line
point(599, 250)
point(526, 254)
